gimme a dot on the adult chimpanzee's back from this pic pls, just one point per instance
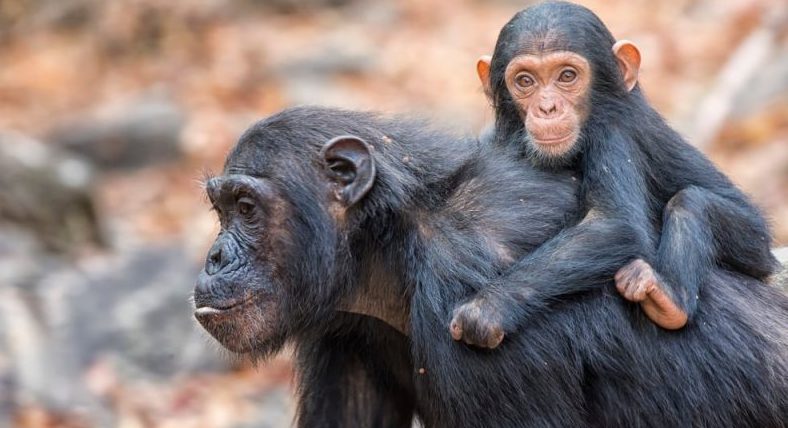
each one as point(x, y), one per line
point(354, 236)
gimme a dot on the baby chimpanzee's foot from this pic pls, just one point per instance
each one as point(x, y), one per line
point(477, 322)
point(638, 282)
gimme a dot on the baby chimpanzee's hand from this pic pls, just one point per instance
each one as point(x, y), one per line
point(478, 322)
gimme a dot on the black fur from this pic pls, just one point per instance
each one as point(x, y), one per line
point(446, 216)
point(648, 194)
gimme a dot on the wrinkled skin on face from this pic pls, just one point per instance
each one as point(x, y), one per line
point(238, 296)
point(551, 93)
point(282, 202)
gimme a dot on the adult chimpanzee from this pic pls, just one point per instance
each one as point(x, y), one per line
point(566, 94)
point(355, 237)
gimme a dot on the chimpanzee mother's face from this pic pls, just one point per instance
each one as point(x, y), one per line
point(282, 200)
point(238, 294)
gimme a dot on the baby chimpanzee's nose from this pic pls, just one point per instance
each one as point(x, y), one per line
point(547, 107)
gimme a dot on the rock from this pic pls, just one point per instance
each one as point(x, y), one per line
point(275, 411)
point(127, 136)
point(782, 255)
point(47, 192)
point(134, 305)
point(781, 279)
point(58, 320)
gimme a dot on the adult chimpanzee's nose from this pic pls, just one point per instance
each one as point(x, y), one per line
point(217, 258)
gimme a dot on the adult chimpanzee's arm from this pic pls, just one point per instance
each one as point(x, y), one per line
point(617, 229)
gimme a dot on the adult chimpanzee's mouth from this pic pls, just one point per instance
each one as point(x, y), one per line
point(203, 309)
point(207, 310)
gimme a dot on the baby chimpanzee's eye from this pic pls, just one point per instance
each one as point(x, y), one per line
point(524, 80)
point(567, 76)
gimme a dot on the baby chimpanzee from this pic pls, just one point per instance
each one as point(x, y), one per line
point(566, 94)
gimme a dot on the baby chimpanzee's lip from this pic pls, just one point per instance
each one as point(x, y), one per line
point(552, 141)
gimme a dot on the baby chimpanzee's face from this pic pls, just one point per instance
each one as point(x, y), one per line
point(551, 92)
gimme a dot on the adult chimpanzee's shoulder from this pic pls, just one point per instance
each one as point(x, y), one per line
point(503, 179)
point(507, 203)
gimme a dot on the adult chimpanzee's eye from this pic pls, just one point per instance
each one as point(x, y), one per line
point(524, 81)
point(567, 76)
point(245, 206)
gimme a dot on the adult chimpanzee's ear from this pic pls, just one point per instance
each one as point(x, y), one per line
point(350, 166)
point(483, 70)
point(628, 57)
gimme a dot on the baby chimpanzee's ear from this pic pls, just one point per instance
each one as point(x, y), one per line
point(483, 70)
point(628, 57)
point(349, 165)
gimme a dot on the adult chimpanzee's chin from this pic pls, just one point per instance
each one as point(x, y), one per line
point(241, 324)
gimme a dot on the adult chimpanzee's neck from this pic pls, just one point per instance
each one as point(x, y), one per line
point(416, 175)
point(379, 291)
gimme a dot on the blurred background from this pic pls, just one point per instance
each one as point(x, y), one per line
point(111, 112)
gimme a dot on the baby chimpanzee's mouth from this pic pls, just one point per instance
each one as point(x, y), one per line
point(552, 141)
